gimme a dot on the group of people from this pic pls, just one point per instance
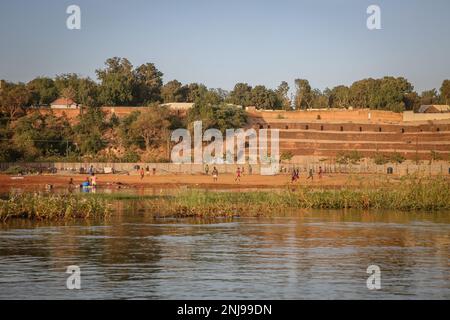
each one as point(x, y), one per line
point(215, 173)
point(89, 183)
point(147, 169)
point(296, 174)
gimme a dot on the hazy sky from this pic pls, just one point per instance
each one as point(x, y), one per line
point(220, 43)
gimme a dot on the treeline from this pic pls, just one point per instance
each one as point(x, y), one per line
point(95, 136)
point(120, 83)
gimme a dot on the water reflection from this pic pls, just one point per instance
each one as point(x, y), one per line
point(320, 254)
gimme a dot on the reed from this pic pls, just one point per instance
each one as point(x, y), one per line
point(407, 195)
point(52, 207)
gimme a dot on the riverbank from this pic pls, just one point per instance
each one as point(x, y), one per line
point(225, 181)
point(407, 195)
point(413, 194)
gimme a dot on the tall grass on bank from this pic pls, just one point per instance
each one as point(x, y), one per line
point(52, 207)
point(407, 195)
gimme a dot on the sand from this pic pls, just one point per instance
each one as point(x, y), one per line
point(225, 181)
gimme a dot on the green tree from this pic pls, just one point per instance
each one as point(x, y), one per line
point(13, 99)
point(241, 95)
point(117, 82)
point(303, 95)
point(42, 91)
point(282, 93)
point(263, 98)
point(152, 125)
point(88, 93)
point(445, 92)
point(89, 131)
point(429, 97)
point(174, 91)
point(147, 84)
point(340, 97)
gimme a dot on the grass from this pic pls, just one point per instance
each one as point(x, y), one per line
point(412, 194)
point(52, 207)
point(408, 194)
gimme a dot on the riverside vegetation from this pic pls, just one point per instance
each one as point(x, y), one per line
point(52, 207)
point(410, 194)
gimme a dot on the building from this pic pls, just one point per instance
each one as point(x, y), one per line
point(183, 106)
point(64, 103)
point(434, 108)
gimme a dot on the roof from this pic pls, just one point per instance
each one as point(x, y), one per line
point(178, 105)
point(63, 101)
point(437, 107)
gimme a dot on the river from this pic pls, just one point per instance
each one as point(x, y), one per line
point(300, 255)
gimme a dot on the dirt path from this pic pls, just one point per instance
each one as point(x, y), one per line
point(225, 181)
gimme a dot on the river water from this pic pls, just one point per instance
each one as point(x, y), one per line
point(299, 255)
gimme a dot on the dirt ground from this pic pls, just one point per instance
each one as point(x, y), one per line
point(225, 181)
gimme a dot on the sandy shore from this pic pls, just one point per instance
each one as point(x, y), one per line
point(225, 181)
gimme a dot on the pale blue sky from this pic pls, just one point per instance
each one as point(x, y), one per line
point(220, 43)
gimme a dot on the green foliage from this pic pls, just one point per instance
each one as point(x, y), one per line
point(152, 126)
point(348, 157)
point(435, 156)
point(42, 91)
point(220, 117)
point(52, 207)
point(286, 155)
point(445, 92)
point(89, 131)
point(381, 159)
point(410, 194)
point(117, 82)
point(37, 135)
point(130, 157)
point(174, 91)
point(397, 158)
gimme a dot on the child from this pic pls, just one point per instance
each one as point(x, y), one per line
point(320, 172)
point(142, 173)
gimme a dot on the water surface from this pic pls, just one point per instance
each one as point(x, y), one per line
point(300, 255)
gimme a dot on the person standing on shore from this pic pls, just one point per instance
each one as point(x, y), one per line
point(94, 181)
point(310, 175)
point(141, 172)
point(215, 174)
point(238, 175)
point(320, 172)
point(206, 169)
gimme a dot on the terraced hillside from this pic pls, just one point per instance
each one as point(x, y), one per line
point(326, 138)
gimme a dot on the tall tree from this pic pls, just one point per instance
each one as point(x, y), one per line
point(152, 125)
point(340, 97)
point(42, 91)
point(303, 96)
point(174, 91)
point(429, 97)
point(13, 99)
point(241, 95)
point(88, 93)
point(445, 92)
point(282, 93)
point(147, 84)
point(117, 81)
point(264, 98)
